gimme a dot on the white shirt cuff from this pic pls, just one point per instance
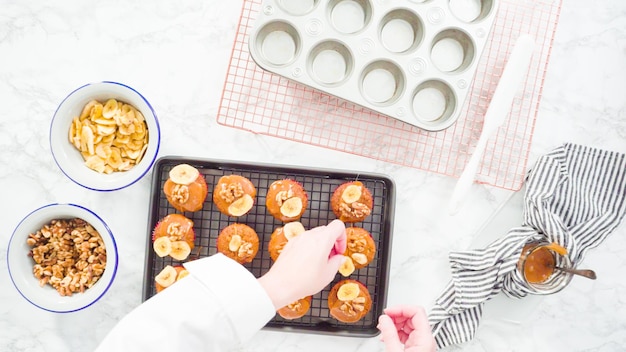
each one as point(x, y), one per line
point(238, 293)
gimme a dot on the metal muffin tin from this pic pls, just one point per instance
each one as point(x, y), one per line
point(319, 185)
point(412, 60)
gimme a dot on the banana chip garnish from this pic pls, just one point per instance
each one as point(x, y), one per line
point(111, 137)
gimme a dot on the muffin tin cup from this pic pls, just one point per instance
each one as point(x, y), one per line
point(377, 53)
point(331, 63)
point(278, 43)
point(319, 185)
point(297, 8)
point(348, 17)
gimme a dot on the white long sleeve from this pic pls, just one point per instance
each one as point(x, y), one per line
point(217, 307)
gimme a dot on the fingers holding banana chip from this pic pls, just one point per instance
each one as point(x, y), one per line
point(111, 137)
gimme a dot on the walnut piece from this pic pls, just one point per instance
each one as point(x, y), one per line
point(180, 193)
point(353, 307)
point(69, 255)
point(356, 209)
point(295, 305)
point(231, 191)
point(282, 196)
point(245, 249)
point(174, 231)
point(357, 245)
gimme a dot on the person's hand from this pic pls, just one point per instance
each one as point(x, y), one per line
point(306, 265)
point(406, 328)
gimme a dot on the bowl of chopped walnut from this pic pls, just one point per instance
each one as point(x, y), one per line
point(62, 258)
point(105, 136)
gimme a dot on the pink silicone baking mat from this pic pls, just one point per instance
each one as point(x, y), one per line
point(265, 103)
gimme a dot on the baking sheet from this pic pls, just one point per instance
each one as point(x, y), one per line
point(319, 185)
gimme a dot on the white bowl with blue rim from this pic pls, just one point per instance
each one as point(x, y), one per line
point(20, 264)
point(69, 159)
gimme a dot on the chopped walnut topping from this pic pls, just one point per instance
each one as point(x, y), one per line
point(353, 307)
point(359, 299)
point(357, 245)
point(280, 197)
point(180, 193)
point(295, 305)
point(245, 249)
point(284, 195)
point(347, 308)
point(358, 307)
point(174, 231)
point(69, 255)
point(231, 191)
point(355, 209)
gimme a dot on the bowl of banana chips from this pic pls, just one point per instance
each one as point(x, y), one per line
point(105, 136)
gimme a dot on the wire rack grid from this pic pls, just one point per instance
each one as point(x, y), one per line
point(265, 103)
point(319, 185)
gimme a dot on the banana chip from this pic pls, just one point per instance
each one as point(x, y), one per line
point(87, 110)
point(110, 109)
point(94, 162)
point(87, 140)
point(103, 151)
point(105, 130)
point(111, 137)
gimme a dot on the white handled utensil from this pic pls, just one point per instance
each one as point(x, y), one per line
point(496, 114)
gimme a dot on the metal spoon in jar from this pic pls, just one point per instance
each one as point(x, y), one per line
point(590, 274)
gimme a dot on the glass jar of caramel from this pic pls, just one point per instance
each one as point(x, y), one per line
point(538, 266)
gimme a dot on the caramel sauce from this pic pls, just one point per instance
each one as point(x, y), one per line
point(539, 264)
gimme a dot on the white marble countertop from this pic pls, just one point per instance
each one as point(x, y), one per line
point(176, 54)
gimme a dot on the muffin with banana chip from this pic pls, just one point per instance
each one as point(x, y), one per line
point(286, 200)
point(282, 235)
point(186, 188)
point(296, 309)
point(234, 195)
point(349, 301)
point(239, 242)
point(168, 276)
point(174, 236)
point(352, 202)
point(360, 250)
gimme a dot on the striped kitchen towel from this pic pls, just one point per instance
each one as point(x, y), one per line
point(575, 196)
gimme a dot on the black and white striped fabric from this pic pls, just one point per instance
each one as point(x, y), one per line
point(575, 196)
